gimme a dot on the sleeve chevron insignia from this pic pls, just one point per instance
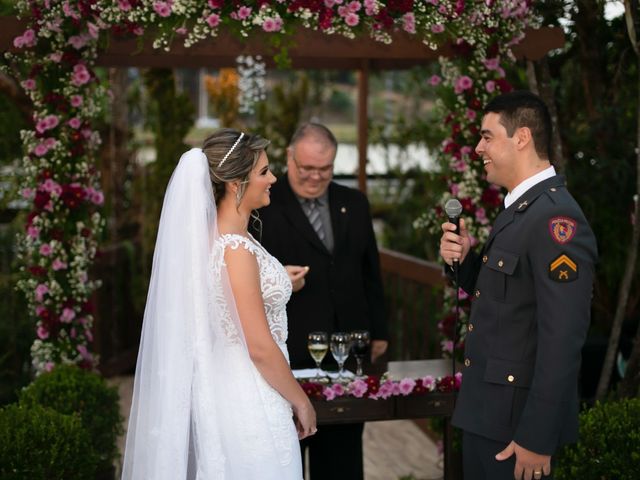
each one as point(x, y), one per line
point(563, 269)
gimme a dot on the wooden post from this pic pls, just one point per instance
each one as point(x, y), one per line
point(363, 124)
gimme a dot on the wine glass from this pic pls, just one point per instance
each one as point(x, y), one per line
point(340, 345)
point(318, 344)
point(360, 341)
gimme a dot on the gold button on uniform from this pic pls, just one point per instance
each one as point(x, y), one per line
point(485, 259)
point(511, 378)
point(477, 293)
point(470, 327)
point(467, 362)
point(500, 263)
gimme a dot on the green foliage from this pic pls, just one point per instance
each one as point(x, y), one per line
point(11, 122)
point(16, 328)
point(609, 445)
point(38, 443)
point(596, 91)
point(7, 7)
point(71, 390)
point(279, 116)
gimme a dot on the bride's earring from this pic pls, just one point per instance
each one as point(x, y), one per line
point(238, 196)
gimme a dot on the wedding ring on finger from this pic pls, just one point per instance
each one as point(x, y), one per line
point(315, 430)
point(537, 474)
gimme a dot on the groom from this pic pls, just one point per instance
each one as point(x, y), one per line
point(316, 223)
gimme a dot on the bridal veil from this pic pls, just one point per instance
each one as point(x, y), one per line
point(183, 400)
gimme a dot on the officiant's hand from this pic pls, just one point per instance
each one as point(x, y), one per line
point(305, 419)
point(296, 275)
point(378, 348)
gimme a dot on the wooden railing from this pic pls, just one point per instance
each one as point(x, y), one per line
point(413, 293)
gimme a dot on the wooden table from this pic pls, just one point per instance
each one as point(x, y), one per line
point(355, 410)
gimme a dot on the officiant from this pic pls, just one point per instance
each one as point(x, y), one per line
point(323, 233)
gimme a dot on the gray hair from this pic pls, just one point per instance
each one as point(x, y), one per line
point(238, 162)
point(316, 130)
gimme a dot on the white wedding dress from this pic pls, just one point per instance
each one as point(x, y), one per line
point(200, 408)
point(248, 446)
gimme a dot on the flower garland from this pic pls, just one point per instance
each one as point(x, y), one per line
point(55, 59)
point(375, 387)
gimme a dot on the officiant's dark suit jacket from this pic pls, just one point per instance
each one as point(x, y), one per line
point(343, 289)
point(531, 289)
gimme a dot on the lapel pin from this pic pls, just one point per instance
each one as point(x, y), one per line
point(522, 205)
point(343, 210)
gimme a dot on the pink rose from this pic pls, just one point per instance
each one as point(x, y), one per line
point(93, 30)
point(27, 193)
point(33, 232)
point(40, 150)
point(462, 83)
point(69, 11)
point(80, 75)
point(471, 114)
point(84, 353)
point(77, 41)
point(272, 24)
point(328, 393)
point(338, 389)
point(73, 333)
point(490, 86)
point(97, 198)
point(58, 265)
point(429, 382)
point(29, 84)
point(358, 388)
point(354, 6)
point(76, 101)
point(124, 5)
point(435, 80)
point(492, 63)
point(437, 28)
point(55, 57)
point(45, 250)
point(49, 366)
point(75, 122)
point(406, 386)
point(447, 346)
point(329, 3)
point(162, 8)
point(88, 335)
point(455, 189)
point(351, 19)
point(42, 332)
point(67, 315)
point(409, 22)
point(213, 20)
point(40, 291)
point(244, 12)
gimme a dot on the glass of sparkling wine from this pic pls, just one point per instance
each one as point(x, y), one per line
point(318, 344)
point(360, 341)
point(340, 345)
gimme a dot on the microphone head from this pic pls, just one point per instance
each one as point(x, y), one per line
point(453, 208)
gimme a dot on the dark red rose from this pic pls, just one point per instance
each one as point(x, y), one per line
point(503, 85)
point(445, 384)
point(475, 104)
point(459, 8)
point(37, 271)
point(468, 205)
point(85, 232)
point(87, 307)
point(57, 234)
point(41, 199)
point(72, 195)
point(491, 197)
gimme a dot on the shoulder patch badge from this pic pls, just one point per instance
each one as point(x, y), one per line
point(563, 269)
point(562, 229)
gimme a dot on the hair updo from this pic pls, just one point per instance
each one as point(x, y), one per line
point(239, 162)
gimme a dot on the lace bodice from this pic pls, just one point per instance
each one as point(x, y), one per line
point(274, 284)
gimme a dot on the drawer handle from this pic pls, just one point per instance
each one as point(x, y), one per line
point(435, 403)
point(339, 409)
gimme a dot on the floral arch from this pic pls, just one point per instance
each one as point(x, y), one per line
point(54, 59)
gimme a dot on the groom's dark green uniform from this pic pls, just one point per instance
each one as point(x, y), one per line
point(531, 289)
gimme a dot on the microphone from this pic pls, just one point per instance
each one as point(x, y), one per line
point(453, 209)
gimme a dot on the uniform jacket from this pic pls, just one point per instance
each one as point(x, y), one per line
point(531, 289)
point(343, 289)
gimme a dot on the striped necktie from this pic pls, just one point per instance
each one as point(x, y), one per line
point(313, 213)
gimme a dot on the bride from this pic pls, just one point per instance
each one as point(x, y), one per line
point(214, 397)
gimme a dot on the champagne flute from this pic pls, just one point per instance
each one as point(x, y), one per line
point(318, 344)
point(360, 347)
point(340, 345)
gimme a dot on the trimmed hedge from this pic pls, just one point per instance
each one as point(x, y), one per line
point(38, 443)
point(609, 445)
point(71, 390)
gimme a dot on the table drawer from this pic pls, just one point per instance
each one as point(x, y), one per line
point(424, 406)
point(352, 410)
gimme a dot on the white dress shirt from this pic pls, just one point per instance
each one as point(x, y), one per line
point(522, 187)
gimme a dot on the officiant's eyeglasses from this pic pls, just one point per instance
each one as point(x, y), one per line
point(305, 171)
